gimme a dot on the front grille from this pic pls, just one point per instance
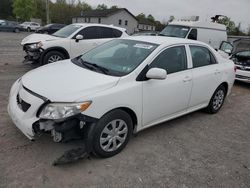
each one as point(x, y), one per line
point(24, 106)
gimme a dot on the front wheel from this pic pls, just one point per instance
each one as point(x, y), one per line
point(28, 29)
point(112, 133)
point(217, 100)
point(52, 57)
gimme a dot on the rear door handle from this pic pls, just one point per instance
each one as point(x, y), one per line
point(187, 79)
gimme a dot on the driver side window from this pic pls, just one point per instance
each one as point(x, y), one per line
point(172, 60)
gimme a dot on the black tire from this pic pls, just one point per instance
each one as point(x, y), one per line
point(217, 100)
point(116, 116)
point(48, 58)
point(16, 30)
point(28, 29)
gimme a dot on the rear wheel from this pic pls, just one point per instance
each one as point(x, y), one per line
point(53, 56)
point(112, 133)
point(28, 29)
point(217, 100)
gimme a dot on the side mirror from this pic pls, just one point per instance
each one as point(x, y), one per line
point(226, 47)
point(156, 73)
point(79, 37)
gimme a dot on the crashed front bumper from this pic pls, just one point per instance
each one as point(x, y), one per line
point(22, 109)
point(32, 54)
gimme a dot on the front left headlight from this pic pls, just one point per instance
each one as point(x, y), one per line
point(57, 111)
point(36, 45)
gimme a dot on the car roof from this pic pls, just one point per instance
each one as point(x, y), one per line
point(102, 25)
point(164, 40)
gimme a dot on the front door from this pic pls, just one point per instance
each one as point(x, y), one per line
point(166, 98)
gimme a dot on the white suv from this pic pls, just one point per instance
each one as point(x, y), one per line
point(30, 26)
point(68, 42)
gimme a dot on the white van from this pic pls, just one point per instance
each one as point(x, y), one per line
point(209, 32)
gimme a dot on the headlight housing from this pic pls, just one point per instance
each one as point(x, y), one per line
point(36, 45)
point(57, 111)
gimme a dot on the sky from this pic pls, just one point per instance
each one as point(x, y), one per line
point(237, 10)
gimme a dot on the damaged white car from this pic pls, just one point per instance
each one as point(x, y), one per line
point(120, 87)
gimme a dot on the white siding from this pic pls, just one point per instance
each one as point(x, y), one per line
point(122, 15)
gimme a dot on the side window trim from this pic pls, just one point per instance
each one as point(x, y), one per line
point(202, 46)
point(168, 47)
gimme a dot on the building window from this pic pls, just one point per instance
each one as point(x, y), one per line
point(88, 20)
point(126, 22)
point(85, 20)
point(99, 20)
point(120, 22)
point(152, 28)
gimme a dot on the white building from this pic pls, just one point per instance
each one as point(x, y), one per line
point(120, 17)
point(145, 25)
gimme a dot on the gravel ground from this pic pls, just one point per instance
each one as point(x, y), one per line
point(197, 150)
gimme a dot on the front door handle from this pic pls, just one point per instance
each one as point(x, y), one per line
point(187, 79)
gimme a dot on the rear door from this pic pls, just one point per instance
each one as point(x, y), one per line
point(206, 75)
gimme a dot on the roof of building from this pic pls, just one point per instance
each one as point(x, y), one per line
point(104, 13)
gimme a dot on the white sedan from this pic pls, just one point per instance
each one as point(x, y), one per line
point(120, 88)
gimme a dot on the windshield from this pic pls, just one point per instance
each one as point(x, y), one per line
point(117, 57)
point(67, 31)
point(175, 31)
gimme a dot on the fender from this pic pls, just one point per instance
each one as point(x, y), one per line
point(56, 48)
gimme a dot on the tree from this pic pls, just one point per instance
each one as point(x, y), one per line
point(6, 9)
point(102, 7)
point(151, 18)
point(229, 24)
point(141, 16)
point(114, 7)
point(24, 9)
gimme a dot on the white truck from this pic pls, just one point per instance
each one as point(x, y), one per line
point(209, 32)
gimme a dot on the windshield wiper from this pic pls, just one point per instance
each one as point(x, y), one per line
point(93, 65)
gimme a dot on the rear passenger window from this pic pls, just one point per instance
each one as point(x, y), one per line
point(201, 56)
point(90, 33)
point(172, 60)
point(106, 32)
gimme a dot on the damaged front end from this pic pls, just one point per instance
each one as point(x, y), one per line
point(64, 130)
point(33, 52)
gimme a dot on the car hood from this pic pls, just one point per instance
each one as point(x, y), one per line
point(34, 38)
point(64, 81)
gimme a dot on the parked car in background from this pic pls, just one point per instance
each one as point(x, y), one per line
point(10, 26)
point(146, 33)
point(30, 26)
point(211, 33)
point(238, 50)
point(68, 42)
point(118, 88)
point(50, 28)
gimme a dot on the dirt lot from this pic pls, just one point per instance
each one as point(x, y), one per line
point(197, 150)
